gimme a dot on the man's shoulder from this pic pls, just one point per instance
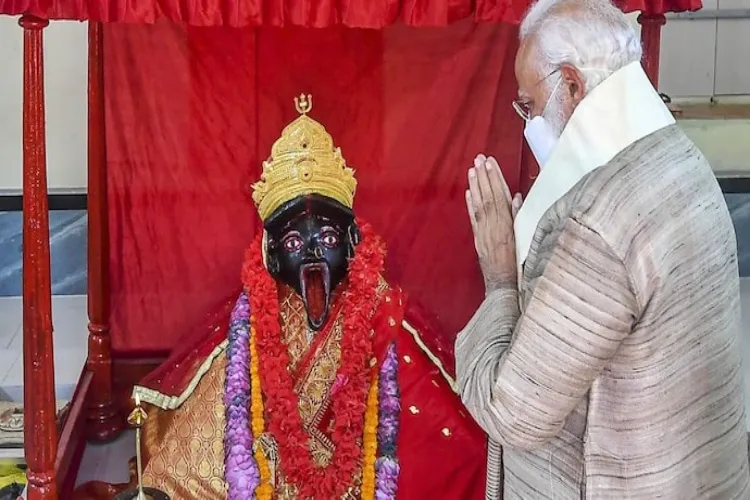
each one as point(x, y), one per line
point(658, 207)
point(653, 182)
point(651, 164)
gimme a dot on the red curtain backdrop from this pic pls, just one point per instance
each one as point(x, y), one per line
point(310, 13)
point(191, 113)
point(193, 106)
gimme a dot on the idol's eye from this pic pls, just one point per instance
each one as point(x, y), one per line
point(330, 238)
point(292, 243)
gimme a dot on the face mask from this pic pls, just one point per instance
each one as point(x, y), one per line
point(540, 135)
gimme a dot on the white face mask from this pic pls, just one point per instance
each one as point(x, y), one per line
point(541, 137)
point(540, 134)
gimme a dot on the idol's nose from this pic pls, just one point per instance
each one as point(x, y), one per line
point(315, 250)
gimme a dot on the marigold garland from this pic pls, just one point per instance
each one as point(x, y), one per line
point(349, 403)
point(370, 441)
point(265, 489)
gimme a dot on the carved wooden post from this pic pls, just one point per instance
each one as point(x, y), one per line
point(40, 412)
point(102, 415)
point(651, 42)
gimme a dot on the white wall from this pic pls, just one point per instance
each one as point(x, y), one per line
point(65, 55)
point(707, 57)
point(633, 18)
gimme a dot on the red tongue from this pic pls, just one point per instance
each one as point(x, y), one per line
point(315, 294)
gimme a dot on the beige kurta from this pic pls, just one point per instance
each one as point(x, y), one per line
point(621, 377)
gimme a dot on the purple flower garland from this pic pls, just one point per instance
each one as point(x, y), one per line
point(386, 466)
point(241, 470)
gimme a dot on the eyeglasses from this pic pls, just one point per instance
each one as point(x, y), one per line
point(523, 109)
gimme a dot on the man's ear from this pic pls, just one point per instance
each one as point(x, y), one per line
point(573, 80)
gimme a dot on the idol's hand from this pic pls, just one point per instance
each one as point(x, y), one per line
point(491, 212)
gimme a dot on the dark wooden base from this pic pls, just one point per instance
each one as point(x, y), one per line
point(104, 425)
point(151, 494)
point(127, 372)
point(72, 438)
point(75, 429)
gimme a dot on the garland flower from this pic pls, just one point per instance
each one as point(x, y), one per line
point(370, 441)
point(348, 403)
point(387, 467)
point(242, 474)
point(265, 489)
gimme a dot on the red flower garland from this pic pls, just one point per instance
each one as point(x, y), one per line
point(349, 402)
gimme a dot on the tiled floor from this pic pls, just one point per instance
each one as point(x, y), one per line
point(70, 337)
point(109, 462)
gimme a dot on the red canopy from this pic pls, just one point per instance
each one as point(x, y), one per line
point(450, 93)
point(310, 13)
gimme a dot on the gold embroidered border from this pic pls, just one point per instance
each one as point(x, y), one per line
point(166, 402)
point(315, 431)
point(436, 361)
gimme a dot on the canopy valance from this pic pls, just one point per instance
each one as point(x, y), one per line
point(309, 13)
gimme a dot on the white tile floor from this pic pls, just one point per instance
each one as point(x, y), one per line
point(69, 320)
point(109, 462)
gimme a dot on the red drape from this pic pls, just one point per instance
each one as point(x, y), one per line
point(310, 13)
point(192, 113)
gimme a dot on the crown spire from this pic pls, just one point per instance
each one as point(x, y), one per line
point(303, 103)
point(303, 161)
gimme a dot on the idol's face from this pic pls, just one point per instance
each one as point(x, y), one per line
point(310, 251)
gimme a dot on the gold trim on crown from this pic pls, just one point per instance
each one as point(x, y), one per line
point(303, 161)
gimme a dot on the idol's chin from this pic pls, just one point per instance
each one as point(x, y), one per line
point(315, 282)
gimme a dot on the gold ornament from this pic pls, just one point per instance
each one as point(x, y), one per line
point(303, 161)
point(137, 419)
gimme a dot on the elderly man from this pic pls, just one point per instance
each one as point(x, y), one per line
point(605, 359)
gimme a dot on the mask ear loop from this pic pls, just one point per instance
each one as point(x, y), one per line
point(607, 73)
point(551, 95)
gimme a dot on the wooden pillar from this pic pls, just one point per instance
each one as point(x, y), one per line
point(40, 412)
point(104, 422)
point(651, 42)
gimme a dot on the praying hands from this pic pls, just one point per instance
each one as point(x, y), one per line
point(491, 211)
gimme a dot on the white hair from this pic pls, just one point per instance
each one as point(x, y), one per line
point(591, 35)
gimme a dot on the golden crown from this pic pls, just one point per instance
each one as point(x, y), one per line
point(303, 161)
